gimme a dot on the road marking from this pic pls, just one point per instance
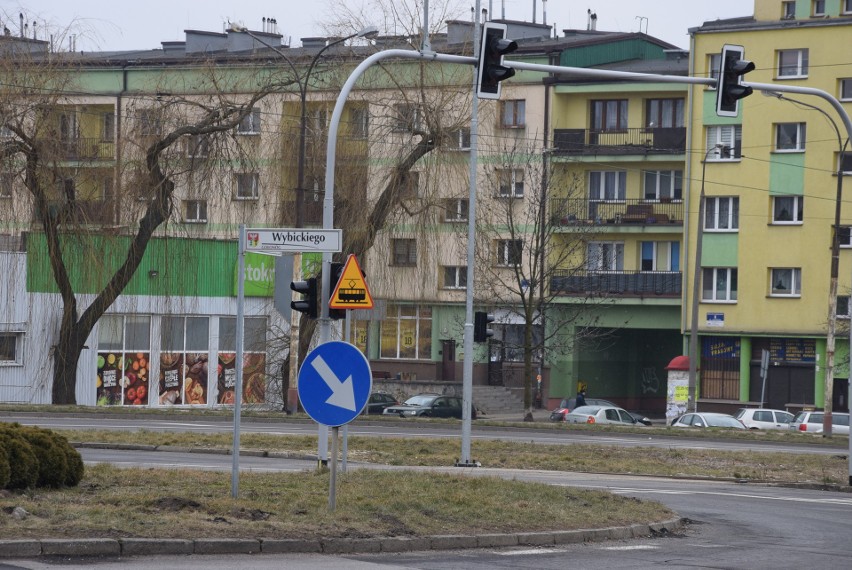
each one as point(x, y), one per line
point(529, 551)
point(634, 547)
point(827, 501)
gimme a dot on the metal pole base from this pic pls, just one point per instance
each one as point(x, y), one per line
point(471, 463)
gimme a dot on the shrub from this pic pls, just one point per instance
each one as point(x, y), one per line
point(5, 470)
point(52, 462)
point(23, 473)
point(37, 456)
point(73, 457)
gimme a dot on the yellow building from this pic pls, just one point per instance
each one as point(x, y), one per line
point(771, 198)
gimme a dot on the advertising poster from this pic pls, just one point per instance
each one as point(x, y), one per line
point(195, 381)
point(677, 395)
point(171, 372)
point(123, 378)
point(254, 378)
point(183, 378)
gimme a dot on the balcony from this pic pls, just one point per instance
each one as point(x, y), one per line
point(79, 148)
point(644, 141)
point(579, 211)
point(665, 284)
point(85, 212)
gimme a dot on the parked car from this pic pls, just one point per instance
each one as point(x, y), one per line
point(568, 404)
point(601, 415)
point(378, 401)
point(708, 420)
point(430, 406)
point(640, 418)
point(762, 418)
point(811, 422)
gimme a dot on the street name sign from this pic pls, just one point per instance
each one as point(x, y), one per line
point(282, 240)
point(334, 384)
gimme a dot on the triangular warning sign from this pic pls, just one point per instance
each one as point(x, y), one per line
point(351, 291)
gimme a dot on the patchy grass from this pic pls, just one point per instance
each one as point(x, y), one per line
point(118, 502)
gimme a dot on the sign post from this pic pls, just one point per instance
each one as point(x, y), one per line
point(334, 385)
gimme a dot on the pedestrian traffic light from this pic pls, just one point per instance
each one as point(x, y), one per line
point(336, 272)
point(491, 70)
point(481, 332)
point(729, 87)
point(309, 302)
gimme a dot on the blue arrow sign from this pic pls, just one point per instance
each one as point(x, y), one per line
point(335, 382)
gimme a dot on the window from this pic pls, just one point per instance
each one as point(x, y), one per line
point(787, 209)
point(513, 114)
point(360, 120)
point(7, 182)
point(846, 88)
point(456, 210)
point(608, 185)
point(846, 7)
point(844, 163)
point(729, 136)
point(460, 139)
point(843, 307)
point(714, 60)
point(195, 211)
point(605, 256)
point(406, 332)
point(818, 7)
point(124, 361)
point(722, 213)
point(197, 146)
point(666, 113)
point(788, 10)
point(404, 252)
point(790, 137)
point(844, 236)
point(609, 115)
point(511, 183)
point(793, 63)
point(108, 130)
point(786, 282)
point(316, 123)
point(410, 184)
point(10, 348)
point(406, 117)
point(250, 125)
point(455, 277)
point(509, 252)
point(660, 256)
point(719, 284)
point(663, 184)
point(247, 186)
point(184, 346)
point(150, 122)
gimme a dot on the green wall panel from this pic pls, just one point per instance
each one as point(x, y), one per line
point(787, 174)
point(719, 250)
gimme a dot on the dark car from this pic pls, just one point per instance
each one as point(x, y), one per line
point(568, 404)
point(429, 406)
point(378, 402)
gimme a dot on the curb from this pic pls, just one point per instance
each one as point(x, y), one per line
point(109, 547)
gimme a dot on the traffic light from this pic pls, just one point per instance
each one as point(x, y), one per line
point(481, 332)
point(309, 302)
point(491, 70)
point(729, 88)
point(336, 272)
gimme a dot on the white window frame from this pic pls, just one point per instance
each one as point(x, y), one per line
point(818, 8)
point(460, 139)
point(17, 339)
point(846, 7)
point(251, 123)
point(728, 274)
point(729, 136)
point(396, 316)
point(454, 277)
point(674, 191)
point(844, 236)
point(403, 252)
point(843, 307)
point(456, 210)
point(510, 183)
point(845, 87)
point(723, 219)
point(714, 61)
point(663, 253)
point(360, 119)
point(795, 210)
point(247, 181)
point(801, 67)
point(796, 133)
point(150, 122)
point(598, 180)
point(513, 113)
point(605, 256)
point(510, 252)
point(779, 277)
point(195, 211)
point(788, 10)
point(406, 117)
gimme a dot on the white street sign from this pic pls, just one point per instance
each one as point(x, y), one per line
point(293, 240)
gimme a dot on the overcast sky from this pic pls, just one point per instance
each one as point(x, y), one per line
point(143, 24)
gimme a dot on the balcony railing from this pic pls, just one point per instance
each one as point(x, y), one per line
point(573, 211)
point(670, 140)
point(617, 283)
point(80, 148)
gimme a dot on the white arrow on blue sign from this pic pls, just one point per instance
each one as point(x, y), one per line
point(335, 382)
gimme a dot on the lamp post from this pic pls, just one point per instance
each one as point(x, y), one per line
point(830, 340)
point(692, 399)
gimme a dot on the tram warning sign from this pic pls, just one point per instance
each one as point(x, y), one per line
point(351, 291)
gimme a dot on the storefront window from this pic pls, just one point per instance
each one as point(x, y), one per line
point(254, 360)
point(407, 332)
point(124, 353)
point(183, 360)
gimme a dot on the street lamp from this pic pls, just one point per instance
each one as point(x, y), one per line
point(835, 262)
point(692, 399)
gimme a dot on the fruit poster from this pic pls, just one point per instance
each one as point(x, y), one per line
point(122, 378)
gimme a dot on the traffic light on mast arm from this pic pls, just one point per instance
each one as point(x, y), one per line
point(309, 302)
point(729, 87)
point(491, 70)
point(481, 332)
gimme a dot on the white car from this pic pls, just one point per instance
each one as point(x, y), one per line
point(601, 415)
point(708, 420)
point(811, 422)
point(762, 418)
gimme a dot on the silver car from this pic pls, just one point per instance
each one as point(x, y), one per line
point(708, 420)
point(601, 415)
point(762, 418)
point(811, 422)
